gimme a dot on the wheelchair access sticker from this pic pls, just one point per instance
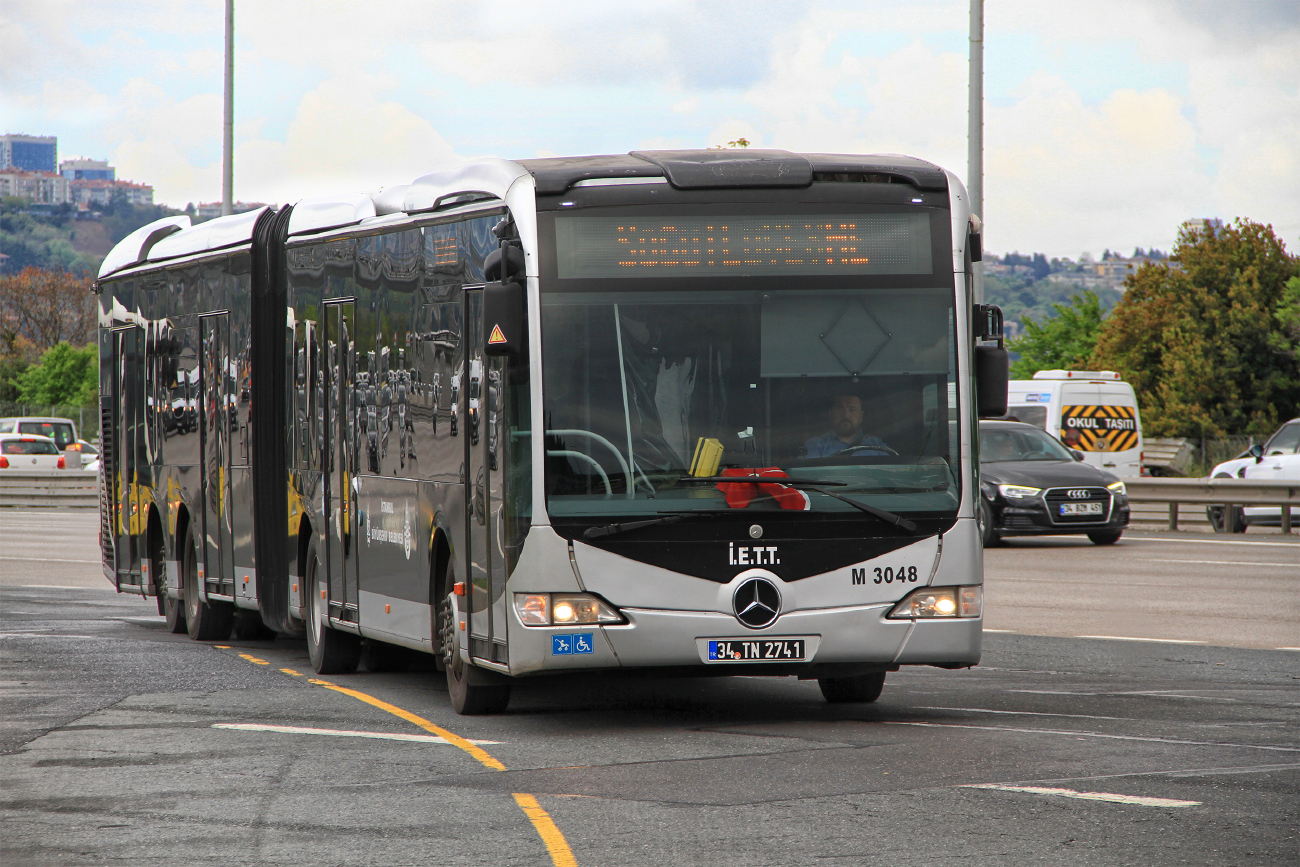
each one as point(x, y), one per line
point(567, 645)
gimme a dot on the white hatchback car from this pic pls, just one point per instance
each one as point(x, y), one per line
point(1276, 460)
point(30, 452)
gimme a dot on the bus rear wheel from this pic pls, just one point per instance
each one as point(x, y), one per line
point(205, 621)
point(845, 690)
point(467, 698)
point(331, 651)
point(173, 610)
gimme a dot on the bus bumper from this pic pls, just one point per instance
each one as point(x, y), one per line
point(652, 638)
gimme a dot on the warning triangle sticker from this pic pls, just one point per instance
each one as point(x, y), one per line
point(496, 336)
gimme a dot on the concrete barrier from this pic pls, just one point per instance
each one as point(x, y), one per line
point(77, 489)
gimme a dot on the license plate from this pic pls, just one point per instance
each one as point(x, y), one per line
point(756, 650)
point(1081, 508)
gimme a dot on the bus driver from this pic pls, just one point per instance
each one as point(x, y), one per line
point(845, 416)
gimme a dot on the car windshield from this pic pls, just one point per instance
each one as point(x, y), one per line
point(28, 447)
point(998, 445)
point(645, 389)
point(59, 431)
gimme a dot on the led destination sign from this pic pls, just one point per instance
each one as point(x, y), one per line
point(736, 246)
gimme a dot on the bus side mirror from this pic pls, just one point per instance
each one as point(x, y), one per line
point(992, 367)
point(505, 323)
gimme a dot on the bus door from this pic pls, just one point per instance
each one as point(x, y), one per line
point(216, 417)
point(486, 563)
point(123, 449)
point(340, 459)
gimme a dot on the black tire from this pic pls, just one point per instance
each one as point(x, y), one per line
point(172, 610)
point(331, 651)
point(249, 627)
point(1226, 519)
point(204, 621)
point(380, 656)
point(467, 699)
point(845, 690)
point(1105, 537)
point(988, 536)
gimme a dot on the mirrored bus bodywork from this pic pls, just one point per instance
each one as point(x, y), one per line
point(724, 428)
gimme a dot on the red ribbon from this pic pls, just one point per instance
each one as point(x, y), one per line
point(741, 495)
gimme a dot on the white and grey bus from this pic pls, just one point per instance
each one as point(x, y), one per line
point(688, 412)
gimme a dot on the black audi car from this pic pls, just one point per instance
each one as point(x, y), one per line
point(1033, 485)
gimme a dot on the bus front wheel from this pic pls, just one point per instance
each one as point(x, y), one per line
point(845, 690)
point(467, 698)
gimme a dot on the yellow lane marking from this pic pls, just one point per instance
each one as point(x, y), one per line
point(556, 846)
point(561, 854)
point(477, 752)
point(221, 646)
point(253, 659)
point(291, 671)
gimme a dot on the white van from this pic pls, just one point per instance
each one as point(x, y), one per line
point(1091, 411)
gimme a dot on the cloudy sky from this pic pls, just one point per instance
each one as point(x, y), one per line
point(1106, 123)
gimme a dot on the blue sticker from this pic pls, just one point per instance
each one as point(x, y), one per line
point(577, 642)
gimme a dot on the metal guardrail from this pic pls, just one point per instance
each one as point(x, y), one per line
point(49, 488)
point(1215, 492)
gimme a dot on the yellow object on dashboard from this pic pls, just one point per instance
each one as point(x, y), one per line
point(708, 454)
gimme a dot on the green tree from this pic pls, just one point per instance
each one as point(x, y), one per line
point(1206, 338)
point(1063, 341)
point(65, 375)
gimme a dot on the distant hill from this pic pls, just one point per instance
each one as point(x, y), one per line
point(54, 239)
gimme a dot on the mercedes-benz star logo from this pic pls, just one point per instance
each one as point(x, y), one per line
point(756, 603)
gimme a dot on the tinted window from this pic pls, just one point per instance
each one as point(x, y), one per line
point(1035, 415)
point(1011, 444)
point(59, 431)
point(29, 447)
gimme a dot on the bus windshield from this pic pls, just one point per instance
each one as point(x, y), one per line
point(650, 390)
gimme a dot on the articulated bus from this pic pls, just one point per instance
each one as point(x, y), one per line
point(673, 412)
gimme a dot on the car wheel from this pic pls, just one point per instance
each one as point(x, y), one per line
point(846, 690)
point(1105, 537)
point(988, 535)
point(1226, 519)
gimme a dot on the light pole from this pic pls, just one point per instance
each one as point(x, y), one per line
point(975, 136)
point(228, 132)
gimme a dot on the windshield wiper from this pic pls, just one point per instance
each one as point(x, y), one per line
point(816, 486)
point(615, 529)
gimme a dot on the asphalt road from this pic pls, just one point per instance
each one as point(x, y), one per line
point(116, 743)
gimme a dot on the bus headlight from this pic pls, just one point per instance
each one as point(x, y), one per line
point(564, 609)
point(1018, 492)
point(1118, 489)
point(940, 602)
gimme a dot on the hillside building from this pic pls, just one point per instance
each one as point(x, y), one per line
point(29, 153)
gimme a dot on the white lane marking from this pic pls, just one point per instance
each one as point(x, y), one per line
point(986, 629)
point(1086, 734)
point(1110, 797)
point(1131, 638)
point(62, 587)
point(338, 733)
point(1288, 648)
point(1213, 562)
point(46, 560)
point(1215, 542)
point(52, 635)
point(1029, 713)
